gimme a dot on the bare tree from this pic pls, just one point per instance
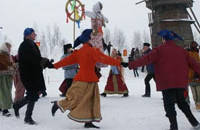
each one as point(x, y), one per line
point(119, 39)
point(145, 37)
point(107, 36)
point(136, 40)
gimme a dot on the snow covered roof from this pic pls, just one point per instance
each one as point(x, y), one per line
point(177, 20)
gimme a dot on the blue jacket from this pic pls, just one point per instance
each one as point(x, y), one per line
point(150, 67)
point(71, 70)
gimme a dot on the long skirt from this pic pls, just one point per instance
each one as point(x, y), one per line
point(5, 91)
point(83, 102)
point(195, 87)
point(19, 87)
point(115, 85)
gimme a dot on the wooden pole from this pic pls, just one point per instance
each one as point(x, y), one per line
point(194, 22)
point(74, 36)
point(140, 2)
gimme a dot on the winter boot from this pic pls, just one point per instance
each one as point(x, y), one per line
point(197, 127)
point(28, 117)
point(29, 121)
point(17, 105)
point(173, 123)
point(146, 95)
point(6, 113)
point(104, 94)
point(125, 95)
point(54, 108)
point(90, 125)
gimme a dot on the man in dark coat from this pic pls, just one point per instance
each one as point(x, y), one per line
point(30, 67)
point(171, 64)
point(150, 72)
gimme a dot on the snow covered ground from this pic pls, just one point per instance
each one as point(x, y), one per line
point(132, 113)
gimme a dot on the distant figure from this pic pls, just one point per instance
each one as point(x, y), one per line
point(6, 79)
point(194, 79)
point(19, 87)
point(115, 82)
point(109, 47)
point(133, 57)
point(150, 71)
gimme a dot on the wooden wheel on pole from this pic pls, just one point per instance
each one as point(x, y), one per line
point(75, 11)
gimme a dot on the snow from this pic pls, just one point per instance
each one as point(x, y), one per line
point(132, 113)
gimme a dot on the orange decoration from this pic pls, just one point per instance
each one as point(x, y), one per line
point(125, 52)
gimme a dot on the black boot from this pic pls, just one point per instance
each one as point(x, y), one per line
point(173, 123)
point(146, 95)
point(90, 125)
point(54, 108)
point(17, 105)
point(6, 113)
point(125, 95)
point(103, 94)
point(29, 121)
point(28, 117)
point(0, 110)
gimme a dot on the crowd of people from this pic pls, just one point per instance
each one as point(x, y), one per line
point(80, 86)
point(172, 68)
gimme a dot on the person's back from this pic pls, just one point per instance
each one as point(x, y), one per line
point(171, 65)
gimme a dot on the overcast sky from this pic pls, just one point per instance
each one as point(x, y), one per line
point(15, 15)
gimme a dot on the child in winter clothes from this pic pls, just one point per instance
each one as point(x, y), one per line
point(82, 99)
point(70, 71)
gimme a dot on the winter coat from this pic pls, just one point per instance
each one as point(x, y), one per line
point(71, 70)
point(192, 75)
point(5, 61)
point(29, 66)
point(171, 64)
point(87, 57)
point(150, 67)
point(6, 72)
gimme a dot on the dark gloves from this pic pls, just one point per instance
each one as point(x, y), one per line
point(50, 64)
point(44, 62)
point(124, 64)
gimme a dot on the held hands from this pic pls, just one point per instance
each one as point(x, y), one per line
point(45, 62)
point(124, 64)
point(50, 64)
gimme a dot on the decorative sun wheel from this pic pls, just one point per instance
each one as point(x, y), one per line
point(75, 11)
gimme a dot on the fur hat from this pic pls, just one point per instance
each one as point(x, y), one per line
point(67, 46)
point(146, 44)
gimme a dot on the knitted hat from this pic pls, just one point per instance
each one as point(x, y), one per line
point(28, 31)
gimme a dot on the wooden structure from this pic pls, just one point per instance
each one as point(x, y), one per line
point(171, 15)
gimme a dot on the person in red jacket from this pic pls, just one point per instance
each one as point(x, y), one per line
point(171, 64)
point(82, 98)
